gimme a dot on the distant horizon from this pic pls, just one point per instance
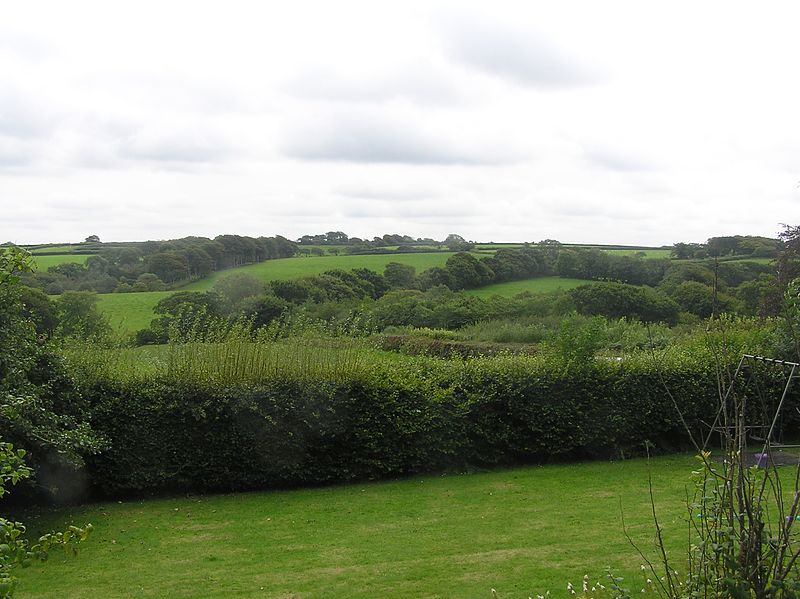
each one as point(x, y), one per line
point(369, 238)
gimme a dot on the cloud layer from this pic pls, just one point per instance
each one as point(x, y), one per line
point(575, 121)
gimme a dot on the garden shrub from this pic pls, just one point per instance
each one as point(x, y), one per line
point(171, 431)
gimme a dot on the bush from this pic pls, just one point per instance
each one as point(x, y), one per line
point(618, 300)
point(219, 417)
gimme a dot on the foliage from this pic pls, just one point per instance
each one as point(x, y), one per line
point(28, 412)
point(243, 414)
point(618, 300)
point(15, 550)
point(79, 317)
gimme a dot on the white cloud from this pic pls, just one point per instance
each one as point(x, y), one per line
point(613, 122)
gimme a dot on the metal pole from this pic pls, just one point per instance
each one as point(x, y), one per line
point(780, 406)
point(724, 401)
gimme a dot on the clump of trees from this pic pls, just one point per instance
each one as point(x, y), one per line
point(156, 265)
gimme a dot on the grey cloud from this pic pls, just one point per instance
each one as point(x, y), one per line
point(21, 116)
point(23, 45)
point(391, 195)
point(416, 210)
point(16, 154)
point(616, 160)
point(419, 83)
point(526, 57)
point(175, 147)
point(373, 140)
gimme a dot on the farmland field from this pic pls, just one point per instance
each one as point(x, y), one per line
point(292, 268)
point(45, 262)
point(538, 285)
point(55, 249)
point(648, 253)
point(523, 532)
point(130, 312)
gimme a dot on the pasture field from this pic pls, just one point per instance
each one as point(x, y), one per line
point(648, 253)
point(129, 312)
point(522, 532)
point(45, 262)
point(55, 249)
point(537, 285)
point(293, 268)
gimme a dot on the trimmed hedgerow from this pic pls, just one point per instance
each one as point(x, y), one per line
point(171, 433)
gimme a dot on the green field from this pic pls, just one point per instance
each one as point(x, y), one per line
point(45, 262)
point(55, 249)
point(522, 532)
point(130, 312)
point(293, 268)
point(538, 285)
point(648, 253)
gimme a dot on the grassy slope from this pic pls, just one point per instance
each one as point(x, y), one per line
point(292, 268)
point(45, 262)
point(61, 249)
point(522, 532)
point(130, 311)
point(540, 285)
point(652, 253)
point(133, 311)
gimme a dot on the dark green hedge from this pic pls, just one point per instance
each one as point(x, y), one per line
point(424, 415)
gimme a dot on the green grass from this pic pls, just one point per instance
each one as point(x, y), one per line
point(129, 312)
point(522, 532)
point(53, 249)
point(293, 268)
point(133, 311)
point(45, 262)
point(538, 285)
point(649, 253)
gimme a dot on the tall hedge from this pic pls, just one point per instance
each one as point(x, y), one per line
point(172, 435)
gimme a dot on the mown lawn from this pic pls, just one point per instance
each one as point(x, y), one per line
point(521, 531)
point(293, 268)
point(538, 285)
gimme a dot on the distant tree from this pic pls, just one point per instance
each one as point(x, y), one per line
point(39, 309)
point(92, 239)
point(684, 251)
point(296, 292)
point(234, 288)
point(467, 272)
point(435, 277)
point(79, 316)
point(700, 300)
point(399, 275)
point(336, 237)
point(456, 243)
point(618, 300)
point(169, 266)
point(263, 309)
point(148, 282)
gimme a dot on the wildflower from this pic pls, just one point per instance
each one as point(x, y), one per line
point(643, 568)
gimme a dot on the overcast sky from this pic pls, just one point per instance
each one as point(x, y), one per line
point(603, 122)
